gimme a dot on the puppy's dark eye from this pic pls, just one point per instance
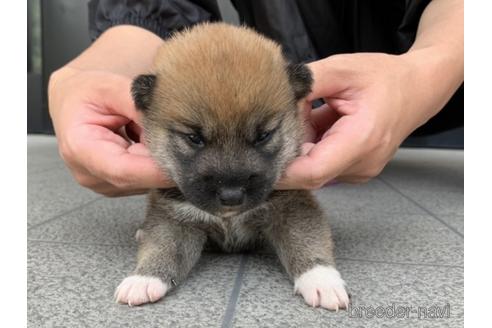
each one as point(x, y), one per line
point(196, 139)
point(263, 137)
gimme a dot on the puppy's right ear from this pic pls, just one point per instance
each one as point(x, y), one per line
point(142, 88)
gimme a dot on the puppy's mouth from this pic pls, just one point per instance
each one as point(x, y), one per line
point(230, 211)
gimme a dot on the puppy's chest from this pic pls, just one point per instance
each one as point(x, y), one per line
point(233, 235)
point(229, 234)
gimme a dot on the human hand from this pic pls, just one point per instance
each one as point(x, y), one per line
point(96, 124)
point(372, 103)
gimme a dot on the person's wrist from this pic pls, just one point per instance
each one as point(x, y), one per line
point(435, 75)
point(437, 56)
point(124, 49)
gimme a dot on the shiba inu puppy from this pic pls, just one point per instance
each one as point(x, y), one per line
point(220, 116)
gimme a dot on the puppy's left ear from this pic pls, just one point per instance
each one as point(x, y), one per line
point(142, 88)
point(301, 79)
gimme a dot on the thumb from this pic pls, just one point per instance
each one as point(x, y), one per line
point(323, 161)
point(329, 78)
point(133, 168)
point(115, 93)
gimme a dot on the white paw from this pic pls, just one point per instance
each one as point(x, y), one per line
point(136, 290)
point(322, 286)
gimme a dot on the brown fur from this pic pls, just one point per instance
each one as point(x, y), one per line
point(252, 74)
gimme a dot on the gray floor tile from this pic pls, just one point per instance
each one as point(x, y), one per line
point(51, 193)
point(451, 160)
point(35, 141)
point(432, 178)
point(42, 154)
point(73, 285)
point(266, 298)
point(456, 221)
point(108, 221)
point(412, 238)
point(373, 197)
point(372, 221)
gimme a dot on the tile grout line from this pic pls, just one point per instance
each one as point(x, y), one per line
point(421, 207)
point(57, 242)
point(231, 305)
point(58, 216)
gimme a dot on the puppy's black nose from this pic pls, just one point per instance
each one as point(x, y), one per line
point(231, 196)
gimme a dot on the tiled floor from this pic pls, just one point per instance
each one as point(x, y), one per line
point(399, 246)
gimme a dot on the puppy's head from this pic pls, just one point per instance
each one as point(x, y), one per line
point(220, 115)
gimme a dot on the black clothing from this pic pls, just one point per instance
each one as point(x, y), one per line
point(160, 17)
point(307, 30)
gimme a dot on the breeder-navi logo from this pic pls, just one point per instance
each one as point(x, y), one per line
point(400, 311)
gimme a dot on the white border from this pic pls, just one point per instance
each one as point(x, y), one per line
point(13, 27)
point(478, 162)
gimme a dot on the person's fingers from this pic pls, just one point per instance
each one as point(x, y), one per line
point(328, 79)
point(109, 157)
point(109, 190)
point(317, 121)
point(139, 149)
point(115, 94)
point(339, 103)
point(87, 180)
point(325, 160)
point(133, 131)
point(367, 168)
point(122, 132)
point(306, 148)
point(310, 133)
point(322, 118)
point(126, 170)
point(130, 132)
point(105, 188)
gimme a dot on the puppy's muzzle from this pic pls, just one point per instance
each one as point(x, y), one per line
point(231, 196)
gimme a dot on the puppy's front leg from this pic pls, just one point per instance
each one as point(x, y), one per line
point(167, 252)
point(301, 237)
